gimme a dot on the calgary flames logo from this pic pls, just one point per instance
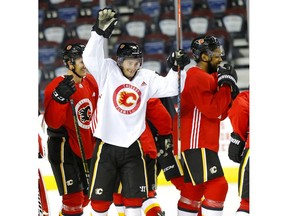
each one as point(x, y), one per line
point(127, 98)
point(84, 111)
point(85, 114)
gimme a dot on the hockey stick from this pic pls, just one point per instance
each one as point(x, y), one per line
point(43, 207)
point(84, 161)
point(179, 46)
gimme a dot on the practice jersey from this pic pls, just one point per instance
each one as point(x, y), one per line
point(160, 118)
point(239, 116)
point(121, 107)
point(58, 115)
point(203, 106)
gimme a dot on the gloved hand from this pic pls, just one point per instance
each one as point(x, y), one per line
point(236, 148)
point(176, 58)
point(227, 75)
point(163, 144)
point(64, 90)
point(106, 21)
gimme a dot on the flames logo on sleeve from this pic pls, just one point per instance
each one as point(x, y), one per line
point(127, 98)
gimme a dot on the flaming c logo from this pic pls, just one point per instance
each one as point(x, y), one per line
point(84, 111)
point(127, 98)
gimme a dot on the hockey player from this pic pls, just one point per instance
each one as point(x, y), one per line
point(239, 147)
point(205, 100)
point(160, 117)
point(64, 153)
point(124, 89)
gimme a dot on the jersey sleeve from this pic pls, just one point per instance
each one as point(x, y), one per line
point(158, 115)
point(239, 115)
point(54, 112)
point(93, 54)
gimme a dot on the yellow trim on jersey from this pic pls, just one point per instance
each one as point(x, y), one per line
point(144, 163)
point(204, 165)
point(61, 165)
point(242, 173)
point(95, 168)
point(190, 174)
point(178, 165)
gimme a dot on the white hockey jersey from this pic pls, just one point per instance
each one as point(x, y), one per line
point(121, 107)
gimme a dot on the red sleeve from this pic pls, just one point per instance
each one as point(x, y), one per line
point(54, 120)
point(148, 143)
point(211, 100)
point(93, 83)
point(158, 115)
point(239, 115)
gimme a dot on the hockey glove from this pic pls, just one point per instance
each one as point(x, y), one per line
point(236, 148)
point(64, 90)
point(106, 21)
point(163, 144)
point(176, 58)
point(227, 75)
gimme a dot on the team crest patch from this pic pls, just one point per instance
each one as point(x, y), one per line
point(127, 99)
point(84, 111)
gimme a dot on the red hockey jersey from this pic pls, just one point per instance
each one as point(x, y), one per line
point(57, 115)
point(239, 116)
point(203, 106)
point(158, 115)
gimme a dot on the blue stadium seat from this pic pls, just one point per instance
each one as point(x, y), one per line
point(48, 52)
point(67, 10)
point(151, 8)
point(187, 37)
point(217, 6)
point(156, 43)
point(68, 14)
point(187, 7)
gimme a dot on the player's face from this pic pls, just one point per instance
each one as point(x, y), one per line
point(216, 59)
point(130, 67)
point(80, 68)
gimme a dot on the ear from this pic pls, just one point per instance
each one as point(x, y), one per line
point(70, 65)
point(205, 57)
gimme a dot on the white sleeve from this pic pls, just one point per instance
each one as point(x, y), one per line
point(93, 55)
point(167, 86)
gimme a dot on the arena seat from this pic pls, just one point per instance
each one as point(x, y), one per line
point(156, 43)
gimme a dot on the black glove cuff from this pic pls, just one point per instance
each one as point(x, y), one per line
point(58, 98)
point(107, 33)
point(97, 29)
point(235, 91)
